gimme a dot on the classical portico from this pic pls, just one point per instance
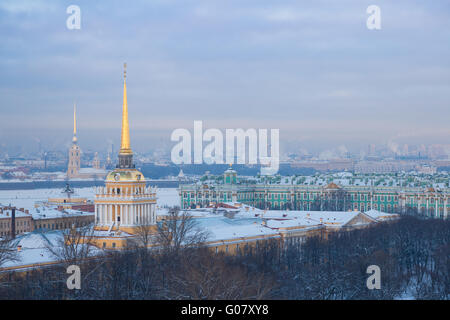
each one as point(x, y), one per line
point(124, 207)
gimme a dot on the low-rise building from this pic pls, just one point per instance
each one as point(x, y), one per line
point(9, 215)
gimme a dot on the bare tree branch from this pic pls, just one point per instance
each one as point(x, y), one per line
point(8, 250)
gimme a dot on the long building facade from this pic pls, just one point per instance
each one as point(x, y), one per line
point(424, 201)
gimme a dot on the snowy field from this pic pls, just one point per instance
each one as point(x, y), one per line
point(26, 198)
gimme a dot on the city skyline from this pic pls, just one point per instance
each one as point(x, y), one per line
point(310, 70)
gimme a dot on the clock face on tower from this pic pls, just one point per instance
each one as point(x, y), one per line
point(117, 177)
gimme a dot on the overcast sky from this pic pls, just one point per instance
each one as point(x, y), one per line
point(310, 68)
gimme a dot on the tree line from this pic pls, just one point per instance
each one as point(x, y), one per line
point(412, 253)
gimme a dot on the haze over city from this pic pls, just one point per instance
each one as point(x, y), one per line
point(313, 70)
point(239, 153)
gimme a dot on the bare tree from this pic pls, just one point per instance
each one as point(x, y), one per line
point(8, 250)
point(144, 235)
point(179, 230)
point(208, 276)
point(76, 244)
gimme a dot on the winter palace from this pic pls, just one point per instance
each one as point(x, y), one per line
point(429, 201)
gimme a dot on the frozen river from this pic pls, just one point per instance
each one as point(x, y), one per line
point(27, 197)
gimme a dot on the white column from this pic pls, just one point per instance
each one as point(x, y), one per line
point(123, 219)
point(147, 218)
point(140, 213)
point(150, 219)
point(143, 214)
point(98, 214)
point(153, 213)
point(130, 214)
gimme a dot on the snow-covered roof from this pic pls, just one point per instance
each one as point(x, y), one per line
point(223, 228)
point(375, 214)
point(34, 248)
point(52, 212)
point(6, 214)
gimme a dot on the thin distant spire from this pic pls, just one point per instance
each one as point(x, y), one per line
point(74, 139)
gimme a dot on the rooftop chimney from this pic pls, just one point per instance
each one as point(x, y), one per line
point(13, 223)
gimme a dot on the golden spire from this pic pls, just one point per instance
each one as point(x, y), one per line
point(125, 142)
point(74, 139)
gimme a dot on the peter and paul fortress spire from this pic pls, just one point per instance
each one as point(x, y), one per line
point(74, 164)
point(74, 139)
point(125, 153)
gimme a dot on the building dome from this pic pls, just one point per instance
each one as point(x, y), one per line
point(125, 175)
point(230, 176)
point(332, 185)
